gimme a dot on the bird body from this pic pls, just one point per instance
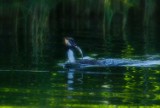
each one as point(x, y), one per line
point(70, 54)
point(71, 45)
point(88, 62)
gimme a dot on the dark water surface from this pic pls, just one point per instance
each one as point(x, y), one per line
point(90, 88)
point(32, 47)
point(45, 84)
point(49, 85)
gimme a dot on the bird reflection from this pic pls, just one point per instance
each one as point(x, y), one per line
point(70, 81)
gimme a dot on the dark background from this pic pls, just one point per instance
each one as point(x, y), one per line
point(31, 31)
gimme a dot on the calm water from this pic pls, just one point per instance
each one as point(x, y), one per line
point(27, 84)
point(32, 47)
point(112, 86)
point(48, 85)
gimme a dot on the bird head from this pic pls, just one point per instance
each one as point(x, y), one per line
point(69, 42)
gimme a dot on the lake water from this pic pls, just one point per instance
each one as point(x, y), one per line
point(100, 88)
point(32, 54)
point(29, 81)
point(52, 86)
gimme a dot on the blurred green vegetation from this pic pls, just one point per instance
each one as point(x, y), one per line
point(31, 28)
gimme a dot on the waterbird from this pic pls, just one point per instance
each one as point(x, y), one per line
point(72, 62)
point(87, 62)
point(71, 45)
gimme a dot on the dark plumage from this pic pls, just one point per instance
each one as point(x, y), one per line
point(71, 45)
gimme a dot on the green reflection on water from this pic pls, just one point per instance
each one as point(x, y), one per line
point(128, 52)
point(144, 83)
point(119, 87)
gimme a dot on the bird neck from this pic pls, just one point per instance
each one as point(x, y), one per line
point(70, 55)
